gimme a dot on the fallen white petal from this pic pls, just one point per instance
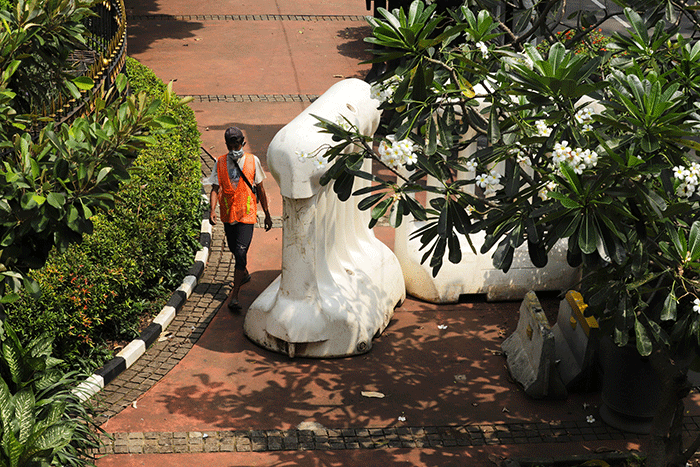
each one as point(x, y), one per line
point(375, 394)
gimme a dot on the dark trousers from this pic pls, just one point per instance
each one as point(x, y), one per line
point(238, 237)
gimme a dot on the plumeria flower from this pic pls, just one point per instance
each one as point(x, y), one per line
point(384, 91)
point(585, 117)
point(590, 419)
point(482, 180)
point(590, 158)
point(483, 49)
point(401, 418)
point(343, 123)
point(679, 172)
point(397, 153)
point(544, 192)
point(320, 162)
point(303, 155)
point(542, 128)
point(471, 166)
point(696, 305)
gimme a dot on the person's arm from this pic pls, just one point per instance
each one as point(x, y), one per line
point(262, 196)
point(213, 200)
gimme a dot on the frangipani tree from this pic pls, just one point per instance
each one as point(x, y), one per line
point(596, 151)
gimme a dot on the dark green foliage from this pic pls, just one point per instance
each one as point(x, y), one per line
point(42, 422)
point(138, 252)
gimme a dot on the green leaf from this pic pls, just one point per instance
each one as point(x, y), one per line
point(455, 249)
point(24, 413)
point(380, 209)
point(668, 312)
point(166, 121)
point(83, 83)
point(538, 253)
point(368, 202)
point(694, 241)
point(56, 200)
point(12, 447)
point(644, 345)
point(587, 236)
point(503, 256)
point(432, 137)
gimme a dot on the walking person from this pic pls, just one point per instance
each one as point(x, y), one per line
point(237, 186)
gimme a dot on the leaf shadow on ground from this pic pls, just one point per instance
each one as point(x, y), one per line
point(430, 377)
point(355, 45)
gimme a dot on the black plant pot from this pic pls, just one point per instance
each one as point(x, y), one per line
point(630, 390)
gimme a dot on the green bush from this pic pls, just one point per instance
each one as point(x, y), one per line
point(138, 253)
point(42, 422)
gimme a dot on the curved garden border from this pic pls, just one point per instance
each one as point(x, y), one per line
point(131, 353)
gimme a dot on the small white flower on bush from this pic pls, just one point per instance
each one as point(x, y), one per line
point(696, 305)
point(397, 153)
point(688, 178)
point(483, 49)
point(542, 128)
point(316, 157)
point(590, 419)
point(303, 155)
point(343, 123)
point(488, 182)
point(544, 191)
point(471, 166)
point(384, 91)
point(577, 158)
point(585, 118)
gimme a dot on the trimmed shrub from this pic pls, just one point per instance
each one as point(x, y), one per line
point(101, 289)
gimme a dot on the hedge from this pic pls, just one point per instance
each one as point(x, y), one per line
point(101, 289)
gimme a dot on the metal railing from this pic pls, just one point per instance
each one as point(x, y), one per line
point(102, 62)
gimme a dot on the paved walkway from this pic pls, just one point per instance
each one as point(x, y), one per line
point(203, 395)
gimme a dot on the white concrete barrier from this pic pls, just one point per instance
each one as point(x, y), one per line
point(339, 284)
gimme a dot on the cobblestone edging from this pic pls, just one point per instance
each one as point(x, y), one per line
point(246, 18)
point(254, 97)
point(365, 438)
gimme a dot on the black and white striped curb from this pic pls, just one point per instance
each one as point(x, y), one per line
point(129, 354)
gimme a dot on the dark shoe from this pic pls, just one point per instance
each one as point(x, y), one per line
point(233, 305)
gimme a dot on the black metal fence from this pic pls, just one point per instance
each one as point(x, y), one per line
point(102, 62)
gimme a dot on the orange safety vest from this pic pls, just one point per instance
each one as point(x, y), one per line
point(237, 204)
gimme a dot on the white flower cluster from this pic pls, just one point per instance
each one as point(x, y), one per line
point(579, 159)
point(318, 160)
point(689, 178)
point(384, 90)
point(489, 182)
point(542, 128)
point(585, 117)
point(397, 153)
point(544, 191)
point(520, 156)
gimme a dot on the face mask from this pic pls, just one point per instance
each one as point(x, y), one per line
point(236, 154)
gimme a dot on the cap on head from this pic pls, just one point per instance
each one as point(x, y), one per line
point(233, 136)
